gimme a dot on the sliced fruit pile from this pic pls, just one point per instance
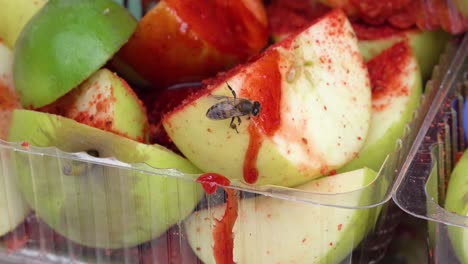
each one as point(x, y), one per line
point(195, 86)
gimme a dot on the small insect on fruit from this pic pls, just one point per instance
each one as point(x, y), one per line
point(233, 107)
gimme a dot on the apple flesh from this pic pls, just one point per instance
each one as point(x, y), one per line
point(396, 92)
point(13, 207)
point(273, 230)
point(95, 205)
point(64, 43)
point(162, 102)
point(455, 201)
point(186, 40)
point(314, 93)
point(427, 45)
point(13, 17)
point(105, 101)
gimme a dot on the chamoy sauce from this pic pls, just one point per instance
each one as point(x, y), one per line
point(264, 83)
point(223, 248)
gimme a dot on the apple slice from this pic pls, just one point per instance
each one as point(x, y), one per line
point(273, 230)
point(315, 100)
point(105, 101)
point(64, 43)
point(189, 40)
point(456, 202)
point(427, 45)
point(95, 205)
point(162, 102)
point(13, 207)
point(8, 98)
point(14, 15)
point(426, 15)
point(396, 92)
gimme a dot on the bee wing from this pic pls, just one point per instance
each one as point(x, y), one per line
point(223, 110)
point(222, 97)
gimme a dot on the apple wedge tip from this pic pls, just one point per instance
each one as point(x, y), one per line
point(314, 93)
point(102, 206)
point(308, 233)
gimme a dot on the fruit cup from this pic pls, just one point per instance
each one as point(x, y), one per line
point(432, 184)
point(100, 197)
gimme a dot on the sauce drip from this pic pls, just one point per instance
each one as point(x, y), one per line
point(223, 249)
point(264, 85)
point(250, 169)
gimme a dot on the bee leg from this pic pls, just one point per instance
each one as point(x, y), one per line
point(232, 125)
point(232, 90)
point(238, 120)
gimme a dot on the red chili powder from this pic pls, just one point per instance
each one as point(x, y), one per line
point(385, 70)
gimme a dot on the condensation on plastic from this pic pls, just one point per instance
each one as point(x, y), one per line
point(421, 186)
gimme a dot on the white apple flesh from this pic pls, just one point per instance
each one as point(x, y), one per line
point(396, 92)
point(273, 230)
point(105, 101)
point(315, 101)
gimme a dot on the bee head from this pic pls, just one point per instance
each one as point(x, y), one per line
point(256, 108)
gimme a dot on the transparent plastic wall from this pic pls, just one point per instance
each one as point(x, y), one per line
point(421, 189)
point(101, 210)
point(59, 207)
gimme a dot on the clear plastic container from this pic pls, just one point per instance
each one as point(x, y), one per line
point(109, 225)
point(421, 187)
point(111, 212)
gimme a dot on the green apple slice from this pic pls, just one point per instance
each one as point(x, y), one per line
point(105, 101)
point(456, 202)
point(396, 92)
point(94, 205)
point(427, 47)
point(13, 207)
point(314, 92)
point(64, 43)
point(14, 15)
point(272, 230)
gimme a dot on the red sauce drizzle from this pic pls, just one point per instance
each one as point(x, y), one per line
point(223, 249)
point(255, 142)
point(264, 85)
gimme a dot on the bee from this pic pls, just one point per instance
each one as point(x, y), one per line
point(234, 108)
